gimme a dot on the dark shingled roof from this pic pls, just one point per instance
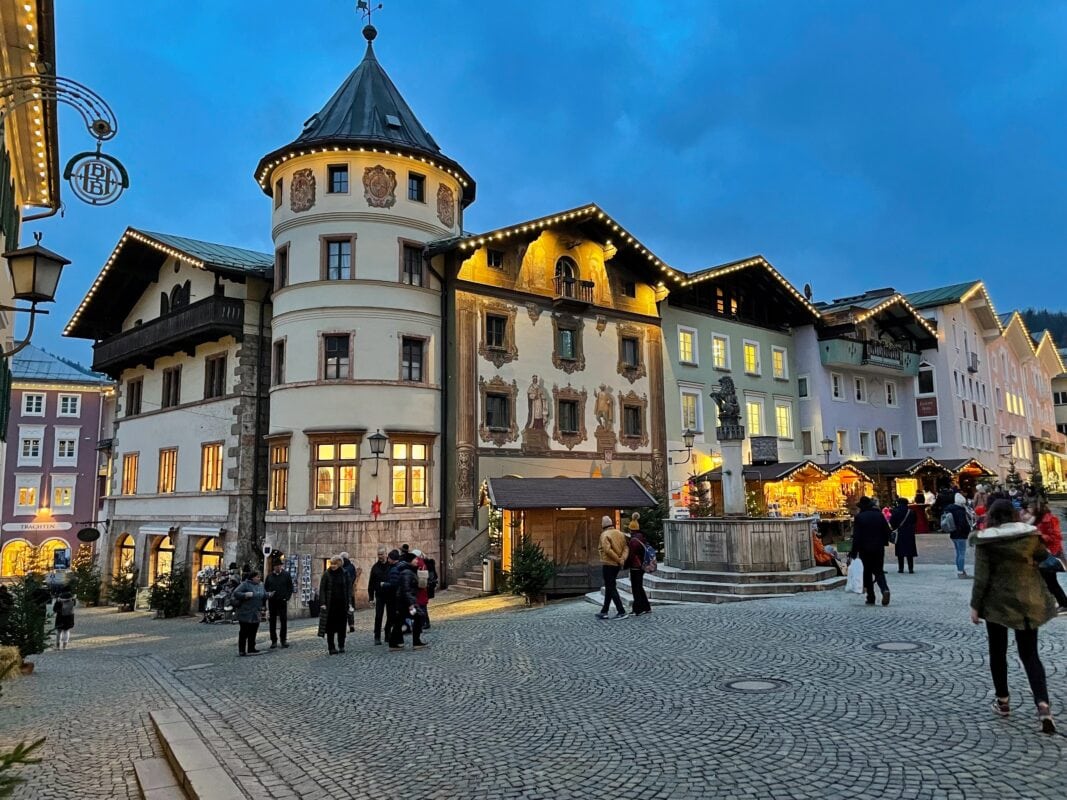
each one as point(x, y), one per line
point(895, 466)
point(568, 493)
point(769, 472)
point(956, 464)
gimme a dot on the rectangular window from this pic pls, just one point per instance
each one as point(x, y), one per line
point(754, 416)
point(496, 331)
point(277, 364)
point(335, 357)
point(211, 467)
point(783, 418)
point(70, 405)
point(860, 389)
point(33, 405)
point(63, 493)
point(497, 416)
point(281, 267)
point(278, 498)
point(865, 443)
point(495, 258)
point(837, 386)
point(720, 352)
point(842, 443)
point(412, 269)
point(129, 473)
point(66, 447)
point(630, 357)
point(752, 358)
point(411, 466)
point(779, 363)
point(895, 445)
point(629, 289)
point(411, 351)
point(890, 394)
point(806, 445)
point(215, 376)
point(928, 432)
point(172, 387)
point(687, 345)
point(26, 488)
point(278, 193)
point(336, 469)
point(31, 438)
point(338, 259)
point(168, 470)
point(1059, 398)
point(133, 396)
point(567, 343)
point(568, 416)
point(631, 421)
point(337, 179)
point(802, 387)
point(691, 416)
point(416, 187)
point(925, 380)
point(1062, 427)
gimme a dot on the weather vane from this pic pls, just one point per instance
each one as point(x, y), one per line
point(366, 9)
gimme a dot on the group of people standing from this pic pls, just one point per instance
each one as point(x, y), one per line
point(402, 582)
point(619, 551)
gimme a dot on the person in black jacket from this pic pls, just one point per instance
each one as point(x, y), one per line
point(961, 530)
point(279, 586)
point(870, 535)
point(405, 583)
point(379, 574)
point(902, 521)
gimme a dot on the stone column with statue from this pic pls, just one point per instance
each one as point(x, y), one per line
point(731, 435)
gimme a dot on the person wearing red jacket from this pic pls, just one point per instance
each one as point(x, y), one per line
point(1048, 526)
point(635, 560)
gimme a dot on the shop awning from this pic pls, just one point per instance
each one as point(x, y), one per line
point(971, 465)
point(792, 470)
point(894, 467)
point(517, 493)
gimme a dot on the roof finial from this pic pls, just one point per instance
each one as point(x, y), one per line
point(366, 9)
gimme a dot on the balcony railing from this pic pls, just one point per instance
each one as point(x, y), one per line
point(571, 291)
point(874, 356)
point(182, 329)
point(883, 354)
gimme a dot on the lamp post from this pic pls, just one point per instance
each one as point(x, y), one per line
point(827, 446)
point(377, 441)
point(688, 437)
point(1010, 439)
point(35, 275)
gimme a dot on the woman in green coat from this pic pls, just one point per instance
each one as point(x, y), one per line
point(1010, 593)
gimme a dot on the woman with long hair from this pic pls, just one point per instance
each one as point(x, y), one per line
point(1048, 526)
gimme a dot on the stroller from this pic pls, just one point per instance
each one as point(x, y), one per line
point(220, 606)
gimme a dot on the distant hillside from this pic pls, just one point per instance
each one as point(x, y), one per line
point(1055, 322)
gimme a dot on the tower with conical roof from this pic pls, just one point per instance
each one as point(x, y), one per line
point(356, 325)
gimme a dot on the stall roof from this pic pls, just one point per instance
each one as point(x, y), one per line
point(767, 472)
point(957, 465)
point(896, 466)
point(568, 493)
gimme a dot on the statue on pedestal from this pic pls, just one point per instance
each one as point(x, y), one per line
point(725, 398)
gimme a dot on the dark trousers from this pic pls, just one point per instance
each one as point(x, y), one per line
point(246, 637)
point(425, 616)
point(637, 587)
point(611, 590)
point(380, 605)
point(278, 611)
point(1053, 584)
point(874, 572)
point(1026, 642)
point(340, 639)
point(911, 563)
point(395, 627)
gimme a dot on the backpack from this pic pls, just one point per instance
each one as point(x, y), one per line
point(948, 522)
point(649, 563)
point(66, 607)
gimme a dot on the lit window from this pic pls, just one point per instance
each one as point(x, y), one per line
point(842, 443)
point(211, 467)
point(63, 493)
point(278, 498)
point(691, 412)
point(779, 363)
point(754, 417)
point(168, 470)
point(720, 352)
point(336, 470)
point(783, 419)
point(411, 464)
point(129, 473)
point(686, 347)
point(752, 359)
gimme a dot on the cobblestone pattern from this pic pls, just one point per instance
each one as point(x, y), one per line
point(551, 703)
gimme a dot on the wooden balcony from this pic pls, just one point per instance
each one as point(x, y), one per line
point(572, 293)
point(873, 356)
point(180, 330)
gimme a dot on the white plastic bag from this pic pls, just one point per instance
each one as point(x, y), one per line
point(855, 577)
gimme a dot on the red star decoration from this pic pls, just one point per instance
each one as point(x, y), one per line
point(375, 507)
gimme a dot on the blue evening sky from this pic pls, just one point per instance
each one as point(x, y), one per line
point(854, 144)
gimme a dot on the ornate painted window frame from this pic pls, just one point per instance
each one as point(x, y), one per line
point(568, 322)
point(630, 372)
point(633, 400)
point(498, 356)
point(569, 439)
point(497, 385)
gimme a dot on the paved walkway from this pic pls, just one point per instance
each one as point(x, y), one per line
point(550, 703)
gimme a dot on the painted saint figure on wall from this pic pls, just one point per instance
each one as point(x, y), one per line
point(538, 405)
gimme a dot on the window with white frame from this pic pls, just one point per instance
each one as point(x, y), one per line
point(66, 450)
point(924, 382)
point(692, 418)
point(783, 418)
point(27, 488)
point(63, 493)
point(865, 443)
point(807, 442)
point(687, 345)
point(752, 357)
point(754, 415)
point(929, 433)
point(837, 387)
point(891, 394)
point(32, 404)
point(779, 363)
point(31, 438)
point(859, 389)
point(895, 446)
point(720, 351)
point(70, 405)
point(842, 443)
point(802, 387)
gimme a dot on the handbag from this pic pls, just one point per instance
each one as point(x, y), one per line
point(893, 533)
point(424, 578)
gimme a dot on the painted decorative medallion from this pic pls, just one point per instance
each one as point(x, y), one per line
point(446, 206)
point(379, 186)
point(302, 190)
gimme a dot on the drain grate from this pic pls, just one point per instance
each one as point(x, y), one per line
point(898, 647)
point(755, 685)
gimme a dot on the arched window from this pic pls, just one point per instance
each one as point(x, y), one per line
point(124, 555)
point(164, 304)
point(48, 552)
point(15, 558)
point(179, 295)
point(210, 553)
point(566, 277)
point(162, 558)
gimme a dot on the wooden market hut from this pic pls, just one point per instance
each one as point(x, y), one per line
point(904, 477)
point(968, 472)
point(563, 516)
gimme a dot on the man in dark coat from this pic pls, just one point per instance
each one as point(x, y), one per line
point(352, 573)
point(405, 581)
point(379, 574)
point(279, 586)
point(870, 535)
point(903, 522)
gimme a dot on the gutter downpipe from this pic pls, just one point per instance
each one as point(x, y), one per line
point(258, 423)
point(445, 455)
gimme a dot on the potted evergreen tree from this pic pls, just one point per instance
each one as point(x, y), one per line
point(25, 625)
point(531, 570)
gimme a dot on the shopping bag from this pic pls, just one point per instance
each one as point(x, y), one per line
point(854, 583)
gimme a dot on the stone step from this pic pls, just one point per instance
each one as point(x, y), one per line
point(157, 780)
point(198, 771)
point(812, 575)
point(785, 586)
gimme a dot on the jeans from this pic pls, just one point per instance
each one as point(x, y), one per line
point(380, 605)
point(1026, 642)
point(637, 586)
point(911, 563)
point(246, 637)
point(611, 591)
point(1053, 584)
point(874, 572)
point(340, 639)
point(278, 611)
point(961, 553)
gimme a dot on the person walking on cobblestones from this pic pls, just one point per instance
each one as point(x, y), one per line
point(1008, 592)
point(902, 520)
point(405, 583)
point(870, 535)
point(379, 573)
point(1048, 526)
point(961, 530)
point(635, 560)
point(249, 596)
point(335, 594)
point(63, 608)
point(279, 588)
point(613, 553)
point(352, 573)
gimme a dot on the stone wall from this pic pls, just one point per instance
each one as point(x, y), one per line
point(740, 544)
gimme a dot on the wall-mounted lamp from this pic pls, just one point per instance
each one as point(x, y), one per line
point(35, 275)
point(688, 437)
point(377, 440)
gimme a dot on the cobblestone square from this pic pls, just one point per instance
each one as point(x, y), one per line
point(551, 703)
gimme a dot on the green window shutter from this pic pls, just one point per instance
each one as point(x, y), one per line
point(5, 398)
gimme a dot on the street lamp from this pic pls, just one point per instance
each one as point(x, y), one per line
point(688, 437)
point(1011, 438)
point(827, 446)
point(377, 441)
point(35, 275)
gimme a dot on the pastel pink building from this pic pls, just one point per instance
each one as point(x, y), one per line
point(52, 481)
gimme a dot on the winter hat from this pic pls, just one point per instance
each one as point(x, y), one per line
point(606, 522)
point(634, 524)
point(959, 499)
point(866, 504)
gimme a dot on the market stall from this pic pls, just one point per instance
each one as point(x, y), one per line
point(904, 477)
point(968, 472)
